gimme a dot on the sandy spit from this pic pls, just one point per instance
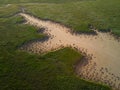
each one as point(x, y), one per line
point(102, 50)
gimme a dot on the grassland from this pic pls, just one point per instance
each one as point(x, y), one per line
point(79, 15)
point(101, 14)
point(24, 71)
point(35, 1)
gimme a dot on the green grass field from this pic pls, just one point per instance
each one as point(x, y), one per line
point(36, 1)
point(78, 14)
point(52, 71)
point(102, 14)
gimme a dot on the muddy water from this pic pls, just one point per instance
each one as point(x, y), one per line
point(102, 50)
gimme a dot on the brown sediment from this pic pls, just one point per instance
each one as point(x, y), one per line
point(102, 50)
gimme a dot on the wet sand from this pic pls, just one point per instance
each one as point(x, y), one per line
point(102, 51)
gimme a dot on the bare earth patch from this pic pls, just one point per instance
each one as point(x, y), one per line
point(102, 51)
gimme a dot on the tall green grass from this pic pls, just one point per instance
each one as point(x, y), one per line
point(37, 1)
point(79, 15)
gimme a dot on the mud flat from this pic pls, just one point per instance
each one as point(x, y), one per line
point(102, 51)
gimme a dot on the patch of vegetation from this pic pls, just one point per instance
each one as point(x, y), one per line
point(101, 14)
point(9, 11)
point(24, 71)
point(49, 72)
point(37, 1)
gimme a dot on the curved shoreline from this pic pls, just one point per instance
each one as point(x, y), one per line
point(103, 50)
